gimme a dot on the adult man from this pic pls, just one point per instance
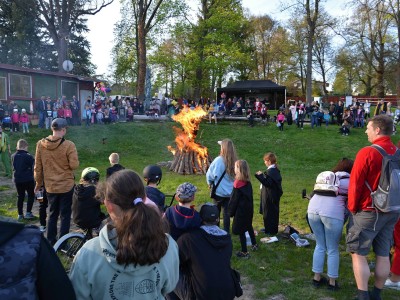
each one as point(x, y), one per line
point(56, 158)
point(205, 255)
point(41, 108)
point(5, 152)
point(368, 226)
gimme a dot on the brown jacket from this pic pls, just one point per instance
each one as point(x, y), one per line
point(55, 161)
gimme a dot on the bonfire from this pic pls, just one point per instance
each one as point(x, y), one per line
point(189, 157)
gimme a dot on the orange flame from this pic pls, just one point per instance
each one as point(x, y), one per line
point(185, 139)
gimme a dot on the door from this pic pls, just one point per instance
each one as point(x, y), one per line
point(83, 94)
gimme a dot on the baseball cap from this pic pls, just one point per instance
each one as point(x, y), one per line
point(185, 190)
point(59, 123)
point(209, 212)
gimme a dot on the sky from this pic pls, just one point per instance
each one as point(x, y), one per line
point(101, 25)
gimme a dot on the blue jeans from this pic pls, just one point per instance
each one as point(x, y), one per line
point(328, 232)
point(60, 204)
point(42, 118)
point(314, 120)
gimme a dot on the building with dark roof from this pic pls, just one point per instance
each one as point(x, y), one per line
point(24, 86)
point(267, 90)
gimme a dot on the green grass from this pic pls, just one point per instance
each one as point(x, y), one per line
point(278, 268)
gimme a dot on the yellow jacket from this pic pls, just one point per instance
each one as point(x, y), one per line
point(55, 162)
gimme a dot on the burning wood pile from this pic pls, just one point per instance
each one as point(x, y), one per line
point(189, 157)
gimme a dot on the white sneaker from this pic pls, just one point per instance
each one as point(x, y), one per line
point(392, 285)
point(42, 228)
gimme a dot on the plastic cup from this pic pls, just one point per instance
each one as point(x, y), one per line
point(39, 196)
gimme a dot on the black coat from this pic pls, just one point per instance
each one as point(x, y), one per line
point(241, 208)
point(22, 162)
point(271, 193)
point(85, 207)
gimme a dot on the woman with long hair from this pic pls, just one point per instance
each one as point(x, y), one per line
point(223, 166)
point(132, 257)
point(326, 215)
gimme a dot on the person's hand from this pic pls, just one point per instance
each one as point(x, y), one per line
point(258, 173)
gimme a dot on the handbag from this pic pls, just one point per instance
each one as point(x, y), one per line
point(214, 187)
point(237, 283)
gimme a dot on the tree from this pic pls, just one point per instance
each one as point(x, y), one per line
point(22, 41)
point(147, 16)
point(60, 17)
point(369, 32)
point(394, 12)
point(216, 43)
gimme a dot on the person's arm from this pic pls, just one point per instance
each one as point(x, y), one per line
point(265, 179)
point(38, 169)
point(52, 282)
point(358, 177)
point(173, 267)
point(72, 155)
point(233, 203)
point(78, 279)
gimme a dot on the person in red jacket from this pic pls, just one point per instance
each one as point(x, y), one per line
point(394, 281)
point(368, 226)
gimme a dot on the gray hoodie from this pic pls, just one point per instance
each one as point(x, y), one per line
point(95, 273)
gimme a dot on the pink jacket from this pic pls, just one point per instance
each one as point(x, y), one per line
point(281, 117)
point(15, 117)
point(24, 118)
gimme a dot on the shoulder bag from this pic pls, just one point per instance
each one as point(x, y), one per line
point(214, 187)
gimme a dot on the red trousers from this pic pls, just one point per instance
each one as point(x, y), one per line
point(395, 269)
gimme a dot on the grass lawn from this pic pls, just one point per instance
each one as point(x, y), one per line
point(279, 270)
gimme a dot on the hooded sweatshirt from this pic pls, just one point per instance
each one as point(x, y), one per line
point(55, 161)
point(85, 207)
point(205, 255)
point(95, 273)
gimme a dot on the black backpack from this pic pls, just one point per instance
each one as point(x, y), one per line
point(386, 198)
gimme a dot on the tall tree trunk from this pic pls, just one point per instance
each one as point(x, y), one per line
point(142, 60)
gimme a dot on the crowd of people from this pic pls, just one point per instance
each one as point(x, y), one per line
point(152, 250)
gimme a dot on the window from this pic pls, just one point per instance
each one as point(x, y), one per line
point(20, 86)
point(3, 90)
point(69, 89)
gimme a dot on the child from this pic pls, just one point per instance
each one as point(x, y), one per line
point(115, 166)
point(85, 207)
point(345, 130)
point(49, 116)
point(130, 114)
point(15, 120)
point(106, 118)
point(22, 164)
point(183, 216)
point(68, 114)
point(241, 207)
point(93, 114)
point(152, 175)
point(280, 119)
point(99, 116)
point(327, 117)
point(250, 117)
point(263, 114)
point(24, 118)
point(88, 114)
point(55, 113)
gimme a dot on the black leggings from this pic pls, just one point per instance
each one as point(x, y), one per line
point(243, 242)
point(29, 187)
